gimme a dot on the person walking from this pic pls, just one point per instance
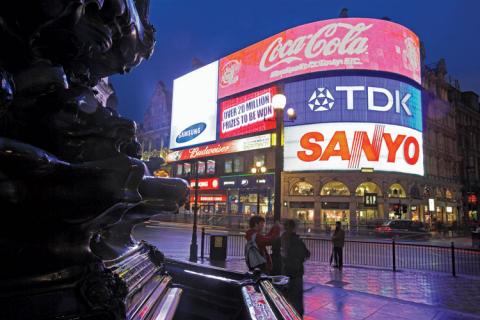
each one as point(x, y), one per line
point(260, 241)
point(338, 240)
point(294, 253)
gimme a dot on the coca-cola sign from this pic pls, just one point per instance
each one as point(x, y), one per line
point(351, 43)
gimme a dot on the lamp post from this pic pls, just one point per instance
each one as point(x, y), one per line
point(278, 101)
point(193, 244)
point(259, 168)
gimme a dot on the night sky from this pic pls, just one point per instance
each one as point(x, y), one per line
point(209, 30)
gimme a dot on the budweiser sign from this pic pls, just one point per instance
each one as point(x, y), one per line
point(351, 43)
point(245, 144)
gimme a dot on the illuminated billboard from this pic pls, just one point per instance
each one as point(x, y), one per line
point(353, 146)
point(337, 44)
point(355, 99)
point(240, 145)
point(247, 114)
point(194, 107)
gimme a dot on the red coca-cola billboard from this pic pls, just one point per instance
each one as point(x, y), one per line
point(247, 114)
point(338, 44)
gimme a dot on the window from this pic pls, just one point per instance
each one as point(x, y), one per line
point(258, 158)
point(238, 164)
point(201, 167)
point(367, 187)
point(302, 188)
point(228, 166)
point(179, 169)
point(448, 194)
point(335, 188)
point(187, 168)
point(211, 167)
point(396, 191)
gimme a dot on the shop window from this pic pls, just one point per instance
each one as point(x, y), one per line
point(228, 166)
point(211, 167)
point(260, 158)
point(396, 191)
point(302, 188)
point(367, 187)
point(238, 164)
point(187, 168)
point(201, 167)
point(335, 188)
point(179, 169)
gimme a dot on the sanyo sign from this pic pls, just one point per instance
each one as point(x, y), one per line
point(355, 99)
point(352, 146)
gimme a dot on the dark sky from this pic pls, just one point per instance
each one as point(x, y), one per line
point(212, 29)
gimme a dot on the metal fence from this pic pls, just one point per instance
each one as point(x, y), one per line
point(381, 254)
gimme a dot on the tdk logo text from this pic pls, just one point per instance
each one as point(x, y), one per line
point(191, 132)
point(322, 99)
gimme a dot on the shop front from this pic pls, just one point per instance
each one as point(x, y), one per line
point(332, 212)
point(302, 210)
point(248, 194)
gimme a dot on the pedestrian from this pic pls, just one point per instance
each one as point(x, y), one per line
point(257, 242)
point(294, 253)
point(338, 240)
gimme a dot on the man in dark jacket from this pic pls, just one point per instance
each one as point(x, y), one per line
point(338, 240)
point(294, 253)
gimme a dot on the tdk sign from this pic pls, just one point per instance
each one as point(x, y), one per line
point(191, 132)
point(355, 99)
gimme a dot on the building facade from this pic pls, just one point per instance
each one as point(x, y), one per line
point(409, 142)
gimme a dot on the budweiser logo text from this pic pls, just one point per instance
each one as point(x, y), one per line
point(323, 42)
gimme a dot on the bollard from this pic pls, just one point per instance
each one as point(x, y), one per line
point(453, 260)
point(202, 244)
point(394, 264)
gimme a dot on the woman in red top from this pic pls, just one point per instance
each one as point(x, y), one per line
point(257, 223)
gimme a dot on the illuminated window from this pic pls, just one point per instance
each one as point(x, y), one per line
point(187, 168)
point(201, 167)
point(367, 187)
point(302, 188)
point(179, 169)
point(396, 191)
point(238, 164)
point(211, 167)
point(228, 166)
point(448, 194)
point(335, 188)
point(258, 158)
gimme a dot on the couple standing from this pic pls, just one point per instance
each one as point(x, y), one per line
point(293, 254)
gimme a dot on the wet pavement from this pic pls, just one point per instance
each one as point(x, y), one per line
point(360, 292)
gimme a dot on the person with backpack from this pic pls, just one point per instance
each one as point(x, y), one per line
point(256, 255)
point(294, 253)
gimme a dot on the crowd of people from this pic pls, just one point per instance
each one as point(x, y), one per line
point(288, 254)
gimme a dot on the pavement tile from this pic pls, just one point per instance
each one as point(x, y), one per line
point(325, 314)
point(416, 312)
point(447, 315)
point(383, 316)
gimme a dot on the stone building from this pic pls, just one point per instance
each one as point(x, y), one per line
point(154, 133)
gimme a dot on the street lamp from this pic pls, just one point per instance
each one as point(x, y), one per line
point(259, 168)
point(193, 244)
point(278, 101)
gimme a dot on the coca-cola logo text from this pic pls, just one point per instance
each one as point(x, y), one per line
point(323, 42)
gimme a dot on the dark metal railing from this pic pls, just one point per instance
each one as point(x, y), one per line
point(388, 254)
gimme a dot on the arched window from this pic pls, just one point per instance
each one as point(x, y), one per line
point(335, 188)
point(367, 187)
point(302, 188)
point(396, 191)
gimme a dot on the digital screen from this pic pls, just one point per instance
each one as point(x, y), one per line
point(194, 107)
point(353, 146)
point(247, 114)
point(355, 99)
point(337, 44)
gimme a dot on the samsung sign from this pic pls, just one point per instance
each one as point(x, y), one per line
point(194, 108)
point(355, 99)
point(191, 132)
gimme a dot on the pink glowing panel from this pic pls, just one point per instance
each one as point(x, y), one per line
point(338, 44)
